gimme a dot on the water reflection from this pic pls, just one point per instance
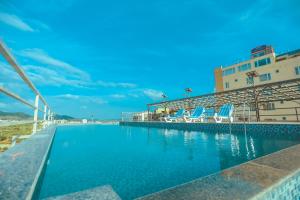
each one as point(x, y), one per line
point(230, 148)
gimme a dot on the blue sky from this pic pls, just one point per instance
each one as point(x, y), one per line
point(104, 57)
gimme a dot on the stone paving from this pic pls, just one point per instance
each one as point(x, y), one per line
point(99, 193)
point(21, 165)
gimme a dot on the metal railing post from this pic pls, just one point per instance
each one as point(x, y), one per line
point(36, 112)
point(45, 116)
point(48, 119)
point(297, 115)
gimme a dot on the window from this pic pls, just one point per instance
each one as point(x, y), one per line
point(267, 92)
point(258, 54)
point(262, 62)
point(297, 70)
point(236, 80)
point(226, 84)
point(265, 77)
point(227, 72)
point(283, 118)
point(277, 71)
point(249, 80)
point(252, 107)
point(269, 106)
point(281, 102)
point(244, 67)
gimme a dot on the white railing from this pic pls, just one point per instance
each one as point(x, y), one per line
point(48, 114)
point(134, 116)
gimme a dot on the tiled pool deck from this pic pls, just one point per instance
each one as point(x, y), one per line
point(275, 176)
point(99, 193)
point(21, 165)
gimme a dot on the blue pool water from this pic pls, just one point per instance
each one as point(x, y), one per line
point(138, 161)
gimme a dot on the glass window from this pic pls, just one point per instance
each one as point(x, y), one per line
point(267, 92)
point(297, 70)
point(244, 67)
point(252, 107)
point(226, 84)
point(270, 106)
point(265, 77)
point(262, 62)
point(227, 72)
point(258, 54)
point(249, 80)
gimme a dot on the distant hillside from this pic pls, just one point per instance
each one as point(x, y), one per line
point(14, 116)
point(63, 117)
point(23, 116)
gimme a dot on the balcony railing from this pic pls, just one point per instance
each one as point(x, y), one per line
point(47, 113)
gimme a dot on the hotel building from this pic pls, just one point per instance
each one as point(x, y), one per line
point(269, 68)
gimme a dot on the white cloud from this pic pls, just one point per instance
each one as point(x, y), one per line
point(153, 94)
point(118, 96)
point(81, 99)
point(68, 96)
point(46, 76)
point(3, 105)
point(39, 25)
point(15, 22)
point(133, 95)
point(42, 57)
point(114, 84)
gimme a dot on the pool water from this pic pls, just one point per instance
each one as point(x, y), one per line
point(137, 161)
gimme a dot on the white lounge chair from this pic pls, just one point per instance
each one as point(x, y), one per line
point(225, 112)
point(178, 115)
point(197, 115)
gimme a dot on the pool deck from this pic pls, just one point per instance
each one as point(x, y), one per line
point(252, 180)
point(22, 166)
point(99, 193)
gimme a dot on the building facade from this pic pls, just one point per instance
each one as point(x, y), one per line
point(268, 68)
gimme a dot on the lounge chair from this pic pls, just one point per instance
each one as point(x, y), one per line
point(225, 113)
point(197, 115)
point(178, 115)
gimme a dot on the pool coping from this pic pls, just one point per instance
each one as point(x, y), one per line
point(105, 192)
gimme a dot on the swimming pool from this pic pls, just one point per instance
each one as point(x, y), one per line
point(138, 161)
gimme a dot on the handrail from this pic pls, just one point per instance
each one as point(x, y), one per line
point(15, 96)
point(48, 115)
point(12, 61)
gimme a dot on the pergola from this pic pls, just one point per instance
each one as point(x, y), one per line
point(288, 90)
